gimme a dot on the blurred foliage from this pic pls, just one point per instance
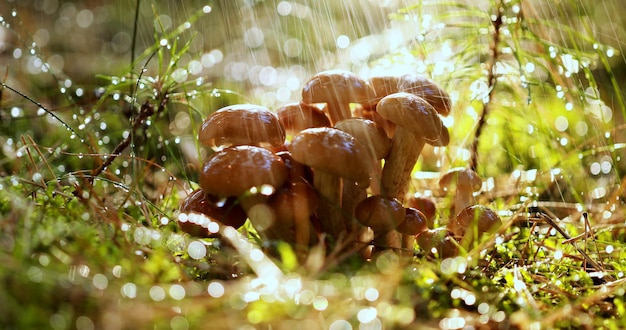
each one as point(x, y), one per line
point(88, 249)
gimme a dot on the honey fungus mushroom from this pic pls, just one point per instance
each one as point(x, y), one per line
point(298, 116)
point(216, 211)
point(465, 182)
point(417, 124)
point(383, 215)
point(242, 124)
point(332, 154)
point(338, 89)
point(473, 222)
point(249, 173)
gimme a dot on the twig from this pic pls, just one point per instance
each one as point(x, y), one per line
point(548, 219)
point(491, 81)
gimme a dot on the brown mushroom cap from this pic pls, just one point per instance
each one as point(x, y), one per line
point(380, 213)
point(337, 88)
point(425, 205)
point(298, 116)
point(474, 220)
point(428, 90)
point(222, 210)
point(371, 136)
point(460, 178)
point(235, 170)
point(414, 222)
point(332, 151)
point(439, 240)
point(412, 113)
point(242, 124)
point(383, 86)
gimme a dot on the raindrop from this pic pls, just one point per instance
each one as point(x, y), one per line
point(100, 281)
point(157, 293)
point(371, 294)
point(177, 292)
point(320, 303)
point(367, 315)
point(197, 250)
point(216, 289)
point(129, 290)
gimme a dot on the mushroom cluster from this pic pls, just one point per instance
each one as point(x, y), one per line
point(332, 168)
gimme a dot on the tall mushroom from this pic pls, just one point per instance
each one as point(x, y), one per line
point(465, 182)
point(338, 89)
point(375, 142)
point(248, 173)
point(242, 124)
point(332, 154)
point(417, 123)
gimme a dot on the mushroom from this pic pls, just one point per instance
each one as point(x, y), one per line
point(338, 89)
point(332, 154)
point(383, 215)
point(414, 223)
point(375, 142)
point(438, 242)
point(466, 182)
point(294, 205)
point(298, 116)
point(220, 210)
point(472, 222)
point(428, 90)
point(417, 123)
point(425, 205)
point(248, 173)
point(296, 172)
point(242, 124)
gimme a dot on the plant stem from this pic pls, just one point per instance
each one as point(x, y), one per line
point(491, 81)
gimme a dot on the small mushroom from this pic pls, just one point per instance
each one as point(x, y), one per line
point(438, 242)
point(465, 182)
point(338, 89)
point(299, 116)
point(333, 155)
point(248, 173)
point(223, 211)
point(242, 124)
point(425, 205)
point(473, 222)
point(293, 206)
point(413, 224)
point(383, 215)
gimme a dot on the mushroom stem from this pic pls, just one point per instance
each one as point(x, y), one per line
point(396, 176)
point(389, 240)
point(351, 196)
point(329, 212)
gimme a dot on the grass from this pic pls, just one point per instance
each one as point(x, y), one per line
point(90, 183)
